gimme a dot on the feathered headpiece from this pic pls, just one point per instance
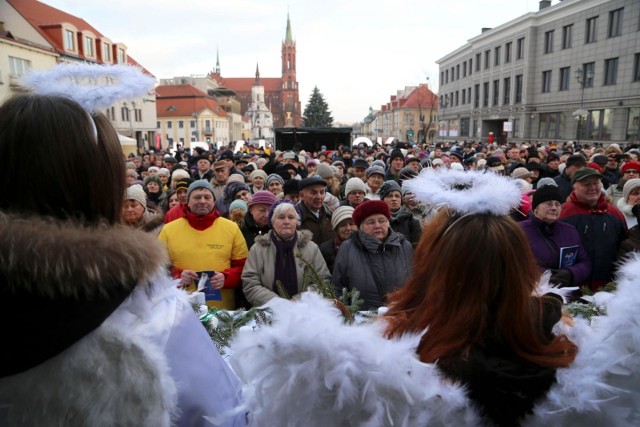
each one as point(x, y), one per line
point(466, 193)
point(93, 86)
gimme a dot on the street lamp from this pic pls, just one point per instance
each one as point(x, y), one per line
point(581, 113)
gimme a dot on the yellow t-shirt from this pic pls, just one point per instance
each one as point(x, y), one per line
point(212, 249)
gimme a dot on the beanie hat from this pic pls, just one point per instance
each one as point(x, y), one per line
point(546, 193)
point(546, 181)
point(291, 187)
point(388, 187)
point(630, 165)
point(135, 192)
point(231, 190)
point(274, 177)
point(374, 169)
point(312, 162)
point(368, 208)
point(629, 186)
point(132, 173)
point(179, 174)
point(235, 177)
point(183, 183)
point(338, 163)
point(324, 171)
point(164, 172)
point(354, 184)
point(361, 163)
point(200, 183)
point(258, 172)
point(238, 204)
point(340, 214)
point(152, 178)
point(262, 197)
point(396, 153)
point(153, 169)
point(379, 163)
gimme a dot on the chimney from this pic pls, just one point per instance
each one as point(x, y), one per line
point(485, 29)
point(544, 4)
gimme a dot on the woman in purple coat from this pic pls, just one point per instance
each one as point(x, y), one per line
point(556, 245)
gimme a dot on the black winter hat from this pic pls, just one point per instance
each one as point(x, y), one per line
point(546, 193)
point(395, 153)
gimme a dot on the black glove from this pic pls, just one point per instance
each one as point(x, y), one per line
point(562, 277)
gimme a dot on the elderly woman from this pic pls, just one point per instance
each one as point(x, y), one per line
point(281, 256)
point(136, 214)
point(87, 291)
point(556, 245)
point(274, 184)
point(630, 198)
point(258, 179)
point(376, 260)
point(343, 226)
point(153, 187)
point(402, 220)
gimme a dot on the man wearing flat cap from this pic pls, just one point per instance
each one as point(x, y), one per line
point(600, 224)
point(315, 214)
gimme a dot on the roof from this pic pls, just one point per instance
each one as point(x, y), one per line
point(421, 97)
point(183, 101)
point(244, 84)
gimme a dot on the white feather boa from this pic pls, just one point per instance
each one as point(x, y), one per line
point(468, 192)
point(310, 369)
point(93, 86)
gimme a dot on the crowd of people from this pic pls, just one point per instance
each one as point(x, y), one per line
point(577, 208)
point(84, 259)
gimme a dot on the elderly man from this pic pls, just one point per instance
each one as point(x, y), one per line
point(202, 244)
point(203, 169)
point(219, 180)
point(600, 224)
point(315, 215)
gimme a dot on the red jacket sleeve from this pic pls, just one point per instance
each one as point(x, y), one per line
point(232, 274)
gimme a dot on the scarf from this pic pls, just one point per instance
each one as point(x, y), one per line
point(201, 222)
point(285, 270)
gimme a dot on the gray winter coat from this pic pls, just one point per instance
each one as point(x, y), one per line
point(364, 258)
point(259, 270)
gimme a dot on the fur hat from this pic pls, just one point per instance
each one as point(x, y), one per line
point(368, 208)
point(324, 171)
point(544, 194)
point(198, 184)
point(388, 187)
point(152, 178)
point(238, 204)
point(629, 186)
point(340, 214)
point(135, 192)
point(354, 184)
point(263, 197)
point(374, 169)
point(258, 172)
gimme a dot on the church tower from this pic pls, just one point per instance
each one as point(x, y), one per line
point(258, 113)
point(289, 101)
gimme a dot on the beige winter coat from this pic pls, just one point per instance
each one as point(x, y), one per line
point(258, 272)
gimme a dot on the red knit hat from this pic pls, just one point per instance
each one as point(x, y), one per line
point(368, 208)
point(631, 165)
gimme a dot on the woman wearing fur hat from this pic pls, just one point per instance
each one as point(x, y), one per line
point(279, 257)
point(376, 260)
point(136, 214)
point(153, 187)
point(105, 337)
point(402, 220)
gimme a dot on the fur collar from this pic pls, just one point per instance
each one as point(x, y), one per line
point(50, 257)
point(304, 237)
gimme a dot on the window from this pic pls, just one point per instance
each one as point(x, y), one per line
point(551, 125)
point(590, 31)
point(470, 65)
point(487, 57)
point(138, 113)
point(441, 77)
point(453, 75)
point(615, 23)
point(587, 70)
point(546, 81)
point(464, 96)
point(88, 46)
point(598, 125)
point(567, 32)
point(610, 71)
point(520, 48)
point(507, 52)
point(496, 91)
point(18, 67)
point(506, 91)
point(124, 114)
point(633, 124)
point(192, 124)
point(476, 99)
point(478, 62)
point(464, 69)
point(180, 124)
point(157, 125)
point(564, 78)
point(121, 58)
point(458, 72)
point(457, 98)
point(496, 56)
point(548, 41)
point(485, 94)
point(446, 76)
point(169, 124)
point(518, 89)
point(464, 127)
point(636, 68)
point(68, 40)
point(106, 53)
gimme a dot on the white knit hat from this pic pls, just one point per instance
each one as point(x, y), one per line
point(342, 213)
point(629, 186)
point(354, 184)
point(135, 192)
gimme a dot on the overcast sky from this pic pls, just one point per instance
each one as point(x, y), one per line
point(358, 52)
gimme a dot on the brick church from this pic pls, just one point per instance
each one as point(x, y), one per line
point(280, 93)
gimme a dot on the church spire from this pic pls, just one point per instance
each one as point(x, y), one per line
point(217, 60)
point(257, 82)
point(289, 37)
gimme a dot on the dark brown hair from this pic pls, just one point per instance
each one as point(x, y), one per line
point(53, 164)
point(472, 282)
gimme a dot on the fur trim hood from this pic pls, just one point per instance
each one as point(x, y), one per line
point(54, 258)
point(304, 237)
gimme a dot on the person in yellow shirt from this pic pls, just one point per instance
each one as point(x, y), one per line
point(204, 243)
